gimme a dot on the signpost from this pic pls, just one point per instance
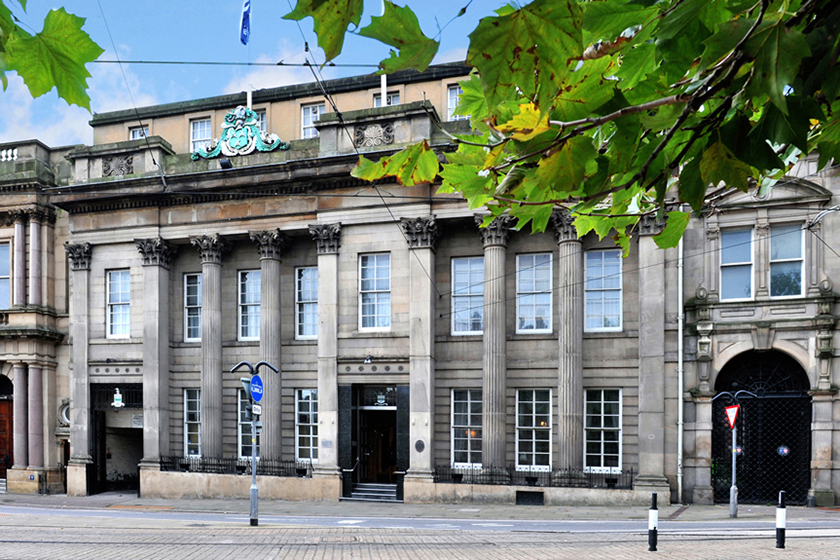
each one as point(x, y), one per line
point(732, 416)
point(254, 388)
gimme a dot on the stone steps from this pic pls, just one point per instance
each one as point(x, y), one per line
point(2, 485)
point(368, 492)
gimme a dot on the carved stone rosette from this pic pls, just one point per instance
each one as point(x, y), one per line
point(422, 233)
point(564, 230)
point(368, 135)
point(114, 166)
point(156, 251)
point(498, 232)
point(270, 243)
point(211, 247)
point(327, 237)
point(79, 254)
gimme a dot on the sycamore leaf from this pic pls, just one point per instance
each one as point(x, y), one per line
point(471, 102)
point(55, 57)
point(527, 124)
point(683, 19)
point(566, 168)
point(607, 20)
point(528, 50)
point(636, 64)
point(462, 178)
point(415, 164)
point(789, 127)
point(778, 53)
point(674, 228)
point(692, 188)
point(331, 19)
point(719, 164)
point(399, 28)
point(585, 90)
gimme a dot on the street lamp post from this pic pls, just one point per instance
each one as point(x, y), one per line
point(246, 384)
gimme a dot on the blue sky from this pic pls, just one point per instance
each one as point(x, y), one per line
point(187, 30)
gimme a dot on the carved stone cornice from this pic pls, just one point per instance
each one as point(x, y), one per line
point(156, 251)
point(327, 237)
point(651, 224)
point(422, 233)
point(210, 247)
point(79, 254)
point(270, 243)
point(564, 230)
point(497, 232)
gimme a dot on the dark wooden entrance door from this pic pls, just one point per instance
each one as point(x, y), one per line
point(378, 446)
point(5, 436)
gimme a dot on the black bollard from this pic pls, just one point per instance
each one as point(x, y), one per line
point(653, 523)
point(781, 521)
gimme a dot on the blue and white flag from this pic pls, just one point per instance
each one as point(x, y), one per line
point(245, 28)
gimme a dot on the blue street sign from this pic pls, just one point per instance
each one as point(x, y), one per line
point(256, 388)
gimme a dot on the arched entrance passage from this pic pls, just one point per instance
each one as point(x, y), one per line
point(774, 430)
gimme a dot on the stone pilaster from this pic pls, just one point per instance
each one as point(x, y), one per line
point(651, 360)
point(703, 492)
point(36, 418)
point(157, 256)
point(21, 416)
point(570, 340)
point(19, 258)
point(494, 379)
point(211, 248)
point(822, 466)
point(80, 459)
point(327, 238)
point(270, 245)
point(422, 234)
point(35, 295)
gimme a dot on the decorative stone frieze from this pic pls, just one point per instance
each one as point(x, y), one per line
point(156, 251)
point(116, 166)
point(327, 237)
point(422, 233)
point(377, 134)
point(497, 232)
point(210, 247)
point(270, 243)
point(564, 230)
point(79, 254)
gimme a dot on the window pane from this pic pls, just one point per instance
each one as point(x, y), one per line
point(786, 279)
point(736, 246)
point(736, 282)
point(785, 242)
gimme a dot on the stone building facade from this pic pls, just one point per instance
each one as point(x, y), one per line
point(416, 350)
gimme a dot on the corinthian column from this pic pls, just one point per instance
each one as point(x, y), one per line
point(211, 248)
point(422, 234)
point(327, 240)
point(270, 243)
point(570, 338)
point(157, 255)
point(495, 237)
point(80, 460)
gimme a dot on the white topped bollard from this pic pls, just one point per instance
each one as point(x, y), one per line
point(781, 521)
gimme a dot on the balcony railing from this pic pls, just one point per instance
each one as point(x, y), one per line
point(210, 465)
point(511, 476)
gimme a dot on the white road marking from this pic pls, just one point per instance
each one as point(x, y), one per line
point(351, 521)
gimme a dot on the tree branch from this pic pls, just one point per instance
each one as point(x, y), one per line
point(593, 122)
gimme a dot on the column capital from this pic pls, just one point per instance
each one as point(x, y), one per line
point(564, 229)
point(327, 237)
point(270, 243)
point(421, 233)
point(497, 232)
point(156, 251)
point(40, 215)
point(79, 254)
point(211, 247)
point(19, 215)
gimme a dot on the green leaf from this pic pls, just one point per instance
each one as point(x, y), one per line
point(778, 52)
point(791, 127)
point(727, 37)
point(471, 102)
point(585, 90)
point(692, 188)
point(719, 164)
point(636, 64)
point(331, 17)
point(753, 151)
point(55, 57)
point(525, 125)
point(684, 19)
point(566, 168)
point(415, 164)
point(674, 229)
point(607, 19)
point(399, 28)
point(528, 49)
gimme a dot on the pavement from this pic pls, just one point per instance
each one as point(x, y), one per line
point(694, 513)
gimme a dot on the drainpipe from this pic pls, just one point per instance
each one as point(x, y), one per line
point(680, 370)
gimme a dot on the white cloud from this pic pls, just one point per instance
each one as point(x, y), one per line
point(263, 77)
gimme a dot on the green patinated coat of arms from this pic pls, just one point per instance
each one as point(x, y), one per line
point(241, 135)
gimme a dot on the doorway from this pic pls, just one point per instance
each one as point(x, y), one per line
point(5, 436)
point(378, 446)
point(117, 438)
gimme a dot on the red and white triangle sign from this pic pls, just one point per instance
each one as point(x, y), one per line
point(732, 415)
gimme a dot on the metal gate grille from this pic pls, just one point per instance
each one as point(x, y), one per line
point(774, 434)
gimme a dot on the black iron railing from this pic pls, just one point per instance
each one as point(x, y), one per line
point(511, 476)
point(265, 467)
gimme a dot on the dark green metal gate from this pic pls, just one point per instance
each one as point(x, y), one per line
point(774, 430)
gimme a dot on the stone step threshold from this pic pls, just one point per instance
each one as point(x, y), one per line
point(377, 499)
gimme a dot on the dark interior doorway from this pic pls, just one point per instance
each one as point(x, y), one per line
point(6, 426)
point(377, 446)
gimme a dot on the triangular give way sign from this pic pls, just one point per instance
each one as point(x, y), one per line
point(732, 415)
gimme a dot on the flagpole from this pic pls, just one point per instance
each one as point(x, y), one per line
point(383, 80)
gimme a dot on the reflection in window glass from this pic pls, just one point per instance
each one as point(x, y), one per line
point(786, 261)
